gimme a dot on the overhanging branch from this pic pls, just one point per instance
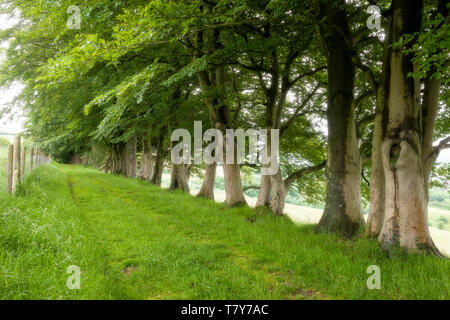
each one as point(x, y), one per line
point(303, 172)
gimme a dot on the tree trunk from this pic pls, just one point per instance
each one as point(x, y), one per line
point(207, 189)
point(106, 164)
point(377, 189)
point(159, 163)
point(219, 112)
point(377, 184)
point(179, 177)
point(278, 193)
point(264, 192)
point(429, 114)
point(233, 185)
point(406, 208)
point(116, 162)
point(147, 160)
point(342, 214)
point(123, 161)
point(31, 158)
point(131, 157)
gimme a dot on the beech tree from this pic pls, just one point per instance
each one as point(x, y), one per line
point(407, 151)
point(343, 213)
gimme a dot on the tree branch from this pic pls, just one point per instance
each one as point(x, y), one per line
point(303, 172)
point(364, 122)
point(368, 73)
point(444, 144)
point(250, 188)
point(297, 113)
point(310, 73)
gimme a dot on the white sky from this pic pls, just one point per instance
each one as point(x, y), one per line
point(7, 95)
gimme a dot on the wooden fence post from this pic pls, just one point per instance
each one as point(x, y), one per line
point(23, 158)
point(37, 158)
point(16, 164)
point(31, 158)
point(9, 169)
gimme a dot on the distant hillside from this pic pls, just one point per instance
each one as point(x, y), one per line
point(7, 136)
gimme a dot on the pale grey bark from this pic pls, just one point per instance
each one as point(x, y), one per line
point(278, 193)
point(264, 192)
point(147, 160)
point(377, 179)
point(207, 188)
point(233, 185)
point(406, 205)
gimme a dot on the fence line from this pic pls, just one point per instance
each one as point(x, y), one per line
point(16, 166)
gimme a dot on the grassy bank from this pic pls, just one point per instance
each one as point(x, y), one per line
point(135, 241)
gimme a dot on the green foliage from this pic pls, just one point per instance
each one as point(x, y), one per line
point(430, 48)
point(439, 198)
point(440, 176)
point(4, 142)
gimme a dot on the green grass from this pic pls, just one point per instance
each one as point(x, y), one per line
point(135, 241)
point(3, 164)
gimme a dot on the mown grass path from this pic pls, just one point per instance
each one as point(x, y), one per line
point(168, 245)
point(165, 249)
point(136, 241)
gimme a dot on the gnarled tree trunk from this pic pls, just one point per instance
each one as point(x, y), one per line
point(233, 185)
point(131, 157)
point(159, 162)
point(377, 184)
point(377, 189)
point(147, 160)
point(278, 193)
point(264, 192)
point(207, 188)
point(219, 111)
point(180, 177)
point(406, 207)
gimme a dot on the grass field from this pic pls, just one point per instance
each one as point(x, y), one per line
point(135, 241)
point(439, 219)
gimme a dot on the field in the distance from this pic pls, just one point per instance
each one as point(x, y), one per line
point(439, 219)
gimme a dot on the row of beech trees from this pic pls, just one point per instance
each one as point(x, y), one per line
point(402, 152)
point(402, 149)
point(197, 66)
point(16, 166)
